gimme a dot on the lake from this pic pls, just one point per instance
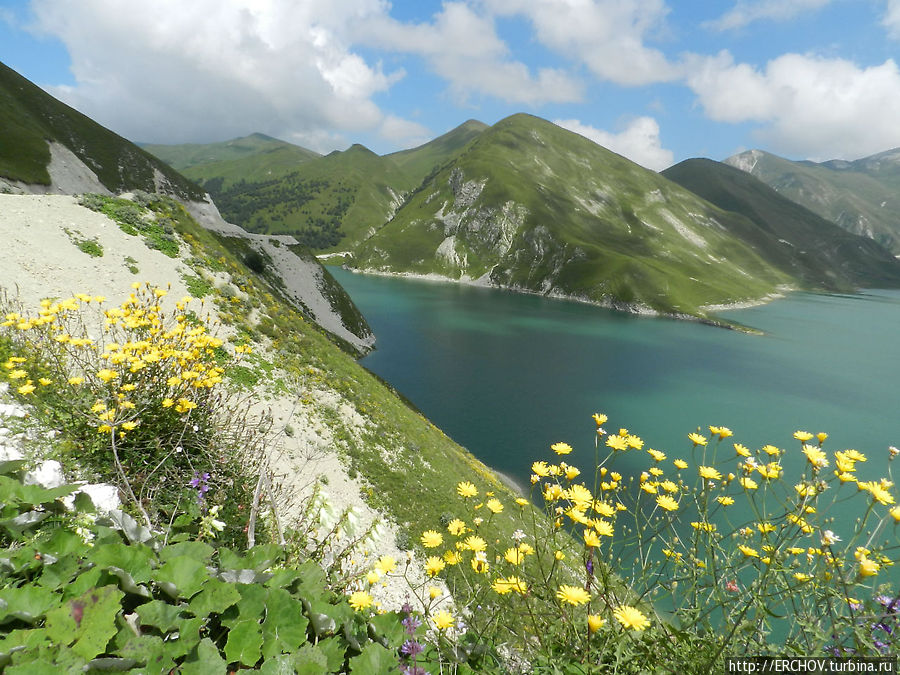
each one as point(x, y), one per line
point(507, 374)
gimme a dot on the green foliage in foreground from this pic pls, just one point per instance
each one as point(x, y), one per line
point(81, 591)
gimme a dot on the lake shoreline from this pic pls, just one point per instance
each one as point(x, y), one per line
point(633, 309)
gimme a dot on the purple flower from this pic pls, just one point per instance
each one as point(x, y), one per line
point(411, 648)
point(589, 566)
point(410, 623)
point(412, 670)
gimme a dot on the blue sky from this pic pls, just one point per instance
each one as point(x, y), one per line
point(658, 81)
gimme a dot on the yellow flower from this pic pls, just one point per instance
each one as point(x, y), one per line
point(434, 565)
point(573, 595)
point(26, 388)
point(649, 487)
point(667, 503)
point(802, 436)
point(571, 473)
point(600, 419)
point(868, 567)
point(386, 564)
point(360, 600)
point(475, 543)
point(184, 405)
point(466, 489)
point(748, 483)
point(815, 456)
point(494, 505)
point(45, 382)
point(434, 592)
point(129, 426)
point(76, 381)
point(617, 442)
point(540, 469)
point(480, 563)
point(591, 540)
point(432, 539)
point(634, 442)
point(895, 513)
point(669, 486)
point(167, 403)
point(725, 432)
point(501, 586)
point(771, 450)
point(603, 527)
point(630, 617)
point(526, 548)
point(704, 527)
point(514, 556)
point(696, 438)
point(725, 501)
point(709, 473)
point(456, 527)
point(821, 436)
point(595, 622)
point(561, 448)
point(742, 450)
point(443, 620)
point(680, 464)
point(107, 375)
point(18, 374)
point(452, 557)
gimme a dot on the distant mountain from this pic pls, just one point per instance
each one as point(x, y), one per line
point(256, 157)
point(789, 235)
point(861, 196)
point(46, 146)
point(327, 203)
point(530, 206)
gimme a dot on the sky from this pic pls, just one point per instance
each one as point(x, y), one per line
point(658, 81)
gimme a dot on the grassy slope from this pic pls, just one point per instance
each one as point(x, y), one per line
point(330, 203)
point(797, 240)
point(859, 196)
point(418, 485)
point(29, 117)
point(190, 155)
point(597, 226)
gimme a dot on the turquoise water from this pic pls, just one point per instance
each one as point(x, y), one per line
point(506, 375)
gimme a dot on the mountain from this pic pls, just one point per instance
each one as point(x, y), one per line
point(861, 196)
point(328, 203)
point(53, 148)
point(46, 146)
point(530, 206)
point(256, 157)
point(789, 235)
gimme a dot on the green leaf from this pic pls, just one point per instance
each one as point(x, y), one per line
point(197, 550)
point(310, 660)
point(88, 621)
point(333, 649)
point(250, 607)
point(126, 582)
point(161, 615)
point(119, 520)
point(244, 643)
point(262, 556)
point(284, 629)
point(374, 660)
point(215, 597)
point(24, 521)
point(188, 637)
point(134, 558)
point(279, 665)
point(62, 542)
point(283, 578)
point(205, 660)
point(187, 575)
point(27, 603)
point(149, 652)
point(110, 664)
point(387, 630)
point(83, 583)
point(312, 580)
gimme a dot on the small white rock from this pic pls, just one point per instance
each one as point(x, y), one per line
point(104, 496)
point(9, 453)
point(49, 475)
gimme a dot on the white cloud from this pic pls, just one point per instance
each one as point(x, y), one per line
point(607, 36)
point(808, 106)
point(747, 11)
point(891, 19)
point(173, 71)
point(639, 141)
point(463, 48)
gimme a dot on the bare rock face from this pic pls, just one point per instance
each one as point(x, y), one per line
point(68, 176)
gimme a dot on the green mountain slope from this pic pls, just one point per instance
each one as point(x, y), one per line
point(791, 236)
point(30, 117)
point(328, 203)
point(860, 196)
point(189, 155)
point(531, 206)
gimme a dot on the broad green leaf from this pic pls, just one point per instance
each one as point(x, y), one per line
point(387, 629)
point(28, 603)
point(188, 637)
point(282, 578)
point(284, 629)
point(250, 607)
point(197, 550)
point(312, 581)
point(119, 520)
point(334, 653)
point(24, 521)
point(186, 574)
point(149, 651)
point(110, 664)
point(279, 665)
point(134, 558)
point(310, 660)
point(244, 643)
point(86, 623)
point(61, 542)
point(126, 582)
point(262, 556)
point(374, 660)
point(161, 615)
point(215, 597)
point(83, 583)
point(229, 560)
point(205, 660)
